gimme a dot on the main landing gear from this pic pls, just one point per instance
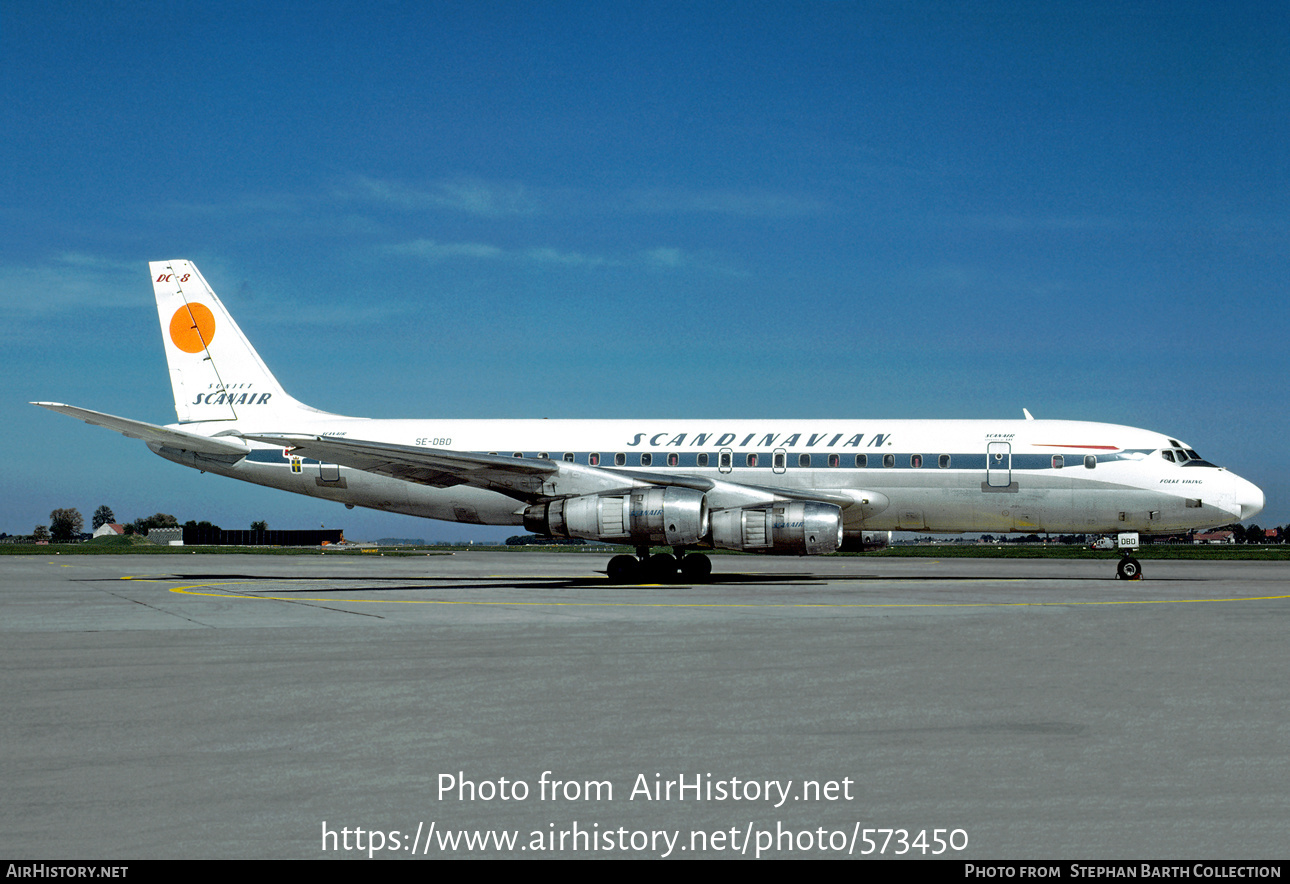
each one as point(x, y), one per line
point(660, 567)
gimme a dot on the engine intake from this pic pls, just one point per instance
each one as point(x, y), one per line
point(666, 516)
point(798, 527)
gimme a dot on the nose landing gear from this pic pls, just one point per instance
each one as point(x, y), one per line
point(1128, 569)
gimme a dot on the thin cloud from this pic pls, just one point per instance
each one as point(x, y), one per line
point(573, 259)
point(73, 281)
point(97, 263)
point(660, 258)
point(1024, 223)
point(734, 203)
point(665, 257)
point(432, 250)
point(469, 196)
point(672, 258)
point(495, 199)
point(247, 204)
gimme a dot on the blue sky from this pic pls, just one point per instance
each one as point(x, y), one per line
point(888, 209)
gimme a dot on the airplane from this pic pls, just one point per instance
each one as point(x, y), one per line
point(795, 487)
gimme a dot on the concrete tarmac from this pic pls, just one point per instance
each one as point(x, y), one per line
point(253, 706)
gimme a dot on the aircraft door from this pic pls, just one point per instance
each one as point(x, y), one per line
point(779, 460)
point(725, 460)
point(998, 464)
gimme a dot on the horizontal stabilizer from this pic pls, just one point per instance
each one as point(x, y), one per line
point(152, 433)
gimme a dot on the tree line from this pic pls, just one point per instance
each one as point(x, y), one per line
point(67, 525)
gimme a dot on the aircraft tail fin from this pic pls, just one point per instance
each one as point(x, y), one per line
point(215, 373)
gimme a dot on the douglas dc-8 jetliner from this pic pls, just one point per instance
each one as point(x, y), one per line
point(797, 487)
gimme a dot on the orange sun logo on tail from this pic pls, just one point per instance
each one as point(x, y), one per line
point(192, 327)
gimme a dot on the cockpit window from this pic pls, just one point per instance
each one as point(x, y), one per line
point(1185, 456)
point(1177, 452)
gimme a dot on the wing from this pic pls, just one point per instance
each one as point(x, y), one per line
point(153, 434)
point(524, 479)
point(529, 479)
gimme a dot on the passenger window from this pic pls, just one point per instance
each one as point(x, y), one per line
point(1090, 461)
point(943, 461)
point(593, 459)
point(803, 460)
point(726, 459)
point(647, 459)
point(862, 460)
point(1058, 461)
point(916, 461)
point(518, 454)
point(544, 455)
point(673, 459)
point(834, 460)
point(620, 459)
point(778, 461)
point(889, 460)
point(752, 460)
point(703, 459)
point(568, 457)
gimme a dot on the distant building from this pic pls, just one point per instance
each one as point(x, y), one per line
point(210, 536)
point(166, 536)
point(1214, 537)
point(109, 530)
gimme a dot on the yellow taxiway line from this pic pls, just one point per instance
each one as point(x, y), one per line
point(204, 589)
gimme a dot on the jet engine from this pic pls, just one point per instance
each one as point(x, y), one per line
point(795, 527)
point(656, 516)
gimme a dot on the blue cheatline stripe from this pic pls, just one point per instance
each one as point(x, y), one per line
point(765, 460)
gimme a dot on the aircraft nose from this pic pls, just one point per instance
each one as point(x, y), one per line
point(1249, 498)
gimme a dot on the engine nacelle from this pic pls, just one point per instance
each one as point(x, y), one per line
point(796, 527)
point(666, 516)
